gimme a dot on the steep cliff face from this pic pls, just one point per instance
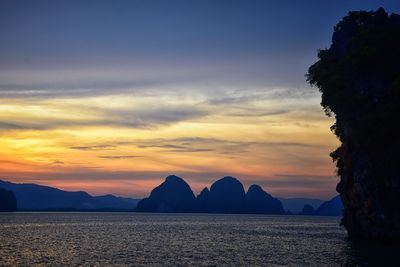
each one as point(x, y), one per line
point(359, 78)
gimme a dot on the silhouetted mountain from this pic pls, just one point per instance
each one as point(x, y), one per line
point(289, 212)
point(227, 196)
point(203, 201)
point(260, 202)
point(333, 207)
point(8, 202)
point(307, 210)
point(38, 197)
point(173, 195)
point(295, 205)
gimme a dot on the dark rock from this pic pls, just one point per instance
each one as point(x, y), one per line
point(289, 212)
point(203, 201)
point(173, 195)
point(307, 210)
point(260, 202)
point(295, 205)
point(333, 207)
point(227, 196)
point(8, 202)
point(359, 78)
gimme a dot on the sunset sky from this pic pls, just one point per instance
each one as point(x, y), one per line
point(112, 96)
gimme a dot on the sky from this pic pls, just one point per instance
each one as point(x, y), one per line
point(113, 96)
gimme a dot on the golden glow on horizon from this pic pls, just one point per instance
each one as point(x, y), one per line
point(123, 134)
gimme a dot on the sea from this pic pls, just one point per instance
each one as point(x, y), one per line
point(151, 239)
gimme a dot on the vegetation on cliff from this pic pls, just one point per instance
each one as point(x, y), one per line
point(359, 78)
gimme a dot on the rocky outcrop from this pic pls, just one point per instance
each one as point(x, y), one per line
point(203, 201)
point(227, 195)
point(332, 207)
point(307, 210)
point(260, 202)
point(296, 205)
point(359, 77)
point(173, 195)
point(8, 202)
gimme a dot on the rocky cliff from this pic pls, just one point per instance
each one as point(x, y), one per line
point(359, 78)
point(173, 195)
point(227, 195)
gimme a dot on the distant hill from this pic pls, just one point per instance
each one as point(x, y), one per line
point(307, 210)
point(33, 197)
point(296, 205)
point(332, 207)
point(226, 195)
point(260, 202)
point(8, 202)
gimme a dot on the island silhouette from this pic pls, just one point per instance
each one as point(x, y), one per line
point(33, 197)
point(8, 202)
point(226, 195)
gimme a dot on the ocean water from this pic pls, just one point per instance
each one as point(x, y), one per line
point(135, 239)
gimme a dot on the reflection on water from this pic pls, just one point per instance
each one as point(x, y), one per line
point(172, 239)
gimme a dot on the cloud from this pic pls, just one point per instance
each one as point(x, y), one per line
point(14, 126)
point(135, 117)
point(176, 148)
point(233, 99)
point(260, 94)
point(322, 186)
point(179, 145)
point(119, 157)
point(92, 81)
point(73, 89)
point(303, 180)
point(145, 117)
point(253, 113)
point(197, 144)
point(93, 148)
